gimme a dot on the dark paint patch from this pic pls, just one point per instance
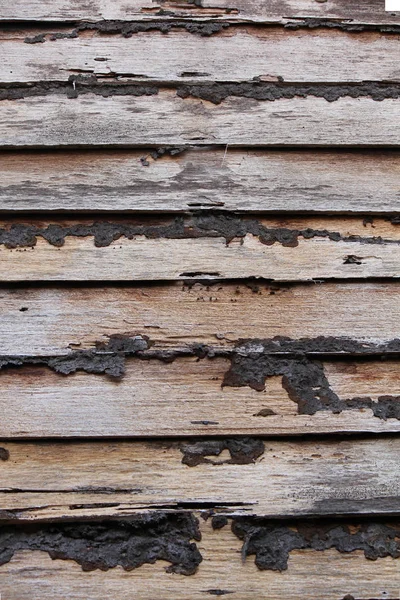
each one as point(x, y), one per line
point(314, 23)
point(106, 545)
point(306, 384)
point(4, 454)
point(217, 92)
point(272, 542)
point(243, 451)
point(218, 522)
point(213, 92)
point(127, 29)
point(217, 592)
point(209, 225)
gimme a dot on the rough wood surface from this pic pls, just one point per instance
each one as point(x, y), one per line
point(92, 120)
point(315, 56)
point(215, 248)
point(327, 575)
point(289, 479)
point(245, 180)
point(186, 398)
point(52, 321)
point(369, 11)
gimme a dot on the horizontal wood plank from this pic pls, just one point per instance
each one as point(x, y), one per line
point(312, 56)
point(51, 321)
point(245, 180)
point(56, 481)
point(186, 398)
point(370, 11)
point(91, 120)
point(122, 250)
point(327, 575)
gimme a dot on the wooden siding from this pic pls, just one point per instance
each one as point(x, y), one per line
point(199, 300)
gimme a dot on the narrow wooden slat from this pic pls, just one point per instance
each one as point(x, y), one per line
point(245, 180)
point(327, 575)
point(289, 479)
point(186, 398)
point(55, 120)
point(361, 250)
point(51, 321)
point(313, 56)
point(369, 11)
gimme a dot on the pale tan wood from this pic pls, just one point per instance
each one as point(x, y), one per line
point(251, 180)
point(144, 259)
point(183, 398)
point(55, 120)
point(291, 479)
point(176, 316)
point(326, 575)
point(369, 11)
point(180, 57)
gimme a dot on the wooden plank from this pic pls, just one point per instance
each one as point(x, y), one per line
point(327, 575)
point(121, 250)
point(51, 321)
point(53, 481)
point(370, 11)
point(245, 180)
point(91, 120)
point(313, 56)
point(186, 398)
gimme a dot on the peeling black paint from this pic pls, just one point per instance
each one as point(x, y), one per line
point(243, 451)
point(219, 521)
point(217, 92)
point(128, 29)
point(4, 454)
point(128, 543)
point(213, 92)
point(163, 151)
point(218, 592)
point(272, 542)
point(349, 26)
point(306, 384)
point(212, 225)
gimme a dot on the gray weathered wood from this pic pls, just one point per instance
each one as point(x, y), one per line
point(175, 316)
point(290, 479)
point(56, 121)
point(369, 11)
point(210, 178)
point(311, 56)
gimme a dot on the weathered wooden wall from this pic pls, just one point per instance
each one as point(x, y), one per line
point(199, 300)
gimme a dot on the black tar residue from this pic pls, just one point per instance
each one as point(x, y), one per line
point(305, 382)
point(243, 451)
point(106, 545)
point(213, 92)
point(127, 29)
point(228, 227)
point(204, 28)
point(272, 542)
point(4, 454)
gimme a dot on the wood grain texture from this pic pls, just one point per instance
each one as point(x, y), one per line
point(370, 11)
point(327, 575)
point(90, 120)
point(56, 481)
point(312, 56)
point(54, 321)
point(185, 398)
point(245, 180)
point(366, 250)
